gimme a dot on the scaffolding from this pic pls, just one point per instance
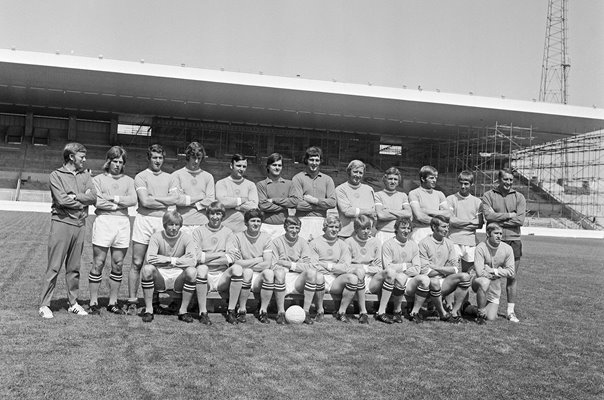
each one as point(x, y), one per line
point(561, 180)
point(570, 172)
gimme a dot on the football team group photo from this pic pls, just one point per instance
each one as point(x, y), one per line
point(419, 255)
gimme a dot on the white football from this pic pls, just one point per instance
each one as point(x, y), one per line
point(295, 315)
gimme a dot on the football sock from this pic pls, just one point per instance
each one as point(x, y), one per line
point(202, 293)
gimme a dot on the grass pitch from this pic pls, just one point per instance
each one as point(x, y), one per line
point(555, 352)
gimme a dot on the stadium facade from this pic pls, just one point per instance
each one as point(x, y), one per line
point(49, 99)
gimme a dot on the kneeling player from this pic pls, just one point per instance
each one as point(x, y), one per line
point(251, 251)
point(170, 265)
point(401, 256)
point(493, 260)
point(439, 257)
point(293, 262)
point(213, 263)
point(341, 278)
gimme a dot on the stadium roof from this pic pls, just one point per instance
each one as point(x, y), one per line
point(97, 88)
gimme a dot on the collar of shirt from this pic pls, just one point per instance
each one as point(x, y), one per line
point(269, 180)
point(503, 195)
point(318, 174)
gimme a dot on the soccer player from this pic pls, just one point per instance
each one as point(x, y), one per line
point(426, 202)
point(313, 193)
point(341, 277)
point(152, 188)
point(466, 218)
point(494, 260)
point(111, 230)
point(390, 205)
point(439, 257)
point(72, 192)
point(193, 188)
point(294, 264)
point(274, 197)
point(366, 253)
point(251, 251)
point(214, 267)
point(170, 266)
point(354, 198)
point(507, 207)
point(402, 256)
point(237, 194)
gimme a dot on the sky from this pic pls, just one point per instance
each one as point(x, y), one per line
point(491, 48)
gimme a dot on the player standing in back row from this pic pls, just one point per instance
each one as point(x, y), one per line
point(274, 197)
point(152, 188)
point(314, 194)
point(426, 202)
point(507, 207)
point(193, 188)
point(466, 218)
point(236, 194)
point(111, 230)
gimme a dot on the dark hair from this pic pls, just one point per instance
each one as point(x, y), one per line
point(292, 220)
point(72, 148)
point(403, 220)
point(155, 148)
point(253, 213)
point(195, 149)
point(112, 153)
point(272, 159)
point(504, 171)
point(312, 152)
point(437, 219)
point(238, 157)
point(426, 171)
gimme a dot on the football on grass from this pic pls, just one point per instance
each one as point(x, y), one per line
point(295, 315)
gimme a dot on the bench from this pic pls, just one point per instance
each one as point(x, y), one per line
point(218, 304)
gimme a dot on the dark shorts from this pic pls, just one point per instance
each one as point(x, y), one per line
point(516, 247)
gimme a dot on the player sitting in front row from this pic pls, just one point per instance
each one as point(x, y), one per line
point(213, 263)
point(402, 256)
point(439, 257)
point(341, 278)
point(366, 256)
point(493, 260)
point(293, 262)
point(251, 251)
point(170, 266)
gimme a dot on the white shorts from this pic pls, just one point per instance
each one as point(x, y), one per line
point(465, 252)
point(383, 237)
point(419, 234)
point(494, 291)
point(367, 282)
point(274, 231)
point(170, 275)
point(213, 279)
point(312, 227)
point(189, 228)
point(329, 282)
point(144, 227)
point(111, 231)
point(290, 283)
point(257, 281)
